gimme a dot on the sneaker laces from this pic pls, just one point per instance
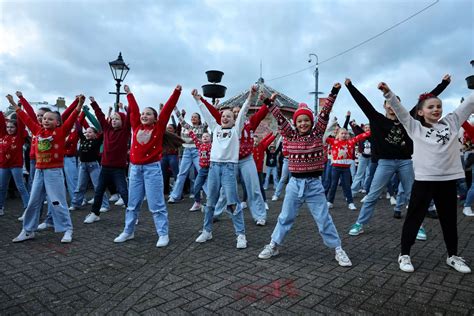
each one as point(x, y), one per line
point(458, 260)
point(341, 254)
point(404, 260)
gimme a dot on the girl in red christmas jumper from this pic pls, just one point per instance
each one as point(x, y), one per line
point(12, 138)
point(146, 178)
point(49, 175)
point(342, 151)
point(306, 161)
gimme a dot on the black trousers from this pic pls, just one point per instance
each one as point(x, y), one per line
point(108, 176)
point(445, 198)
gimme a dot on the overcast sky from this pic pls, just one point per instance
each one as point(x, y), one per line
point(61, 48)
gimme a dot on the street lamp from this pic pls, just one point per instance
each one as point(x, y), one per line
point(119, 72)
point(316, 76)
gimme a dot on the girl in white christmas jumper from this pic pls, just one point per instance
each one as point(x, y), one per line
point(437, 167)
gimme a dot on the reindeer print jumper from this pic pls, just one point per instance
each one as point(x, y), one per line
point(342, 151)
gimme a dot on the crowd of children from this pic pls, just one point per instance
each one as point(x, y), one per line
point(134, 153)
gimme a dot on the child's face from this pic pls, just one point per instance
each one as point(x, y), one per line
point(343, 134)
point(90, 134)
point(303, 124)
point(195, 120)
point(235, 111)
point(227, 119)
point(50, 120)
point(388, 109)
point(206, 138)
point(256, 141)
point(170, 128)
point(367, 128)
point(432, 110)
point(116, 121)
point(11, 129)
point(39, 116)
point(147, 117)
point(272, 149)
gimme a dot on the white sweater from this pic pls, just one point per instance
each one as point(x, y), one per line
point(436, 149)
point(225, 141)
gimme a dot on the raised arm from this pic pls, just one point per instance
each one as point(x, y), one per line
point(361, 100)
point(330, 129)
point(284, 126)
point(181, 119)
point(255, 119)
point(348, 118)
point(3, 125)
point(31, 123)
point(214, 112)
point(403, 115)
point(133, 109)
point(361, 137)
point(465, 109)
point(196, 139)
point(91, 118)
point(240, 120)
point(268, 140)
point(469, 129)
point(323, 117)
point(69, 123)
point(98, 113)
point(436, 91)
point(26, 105)
point(208, 117)
point(356, 128)
point(165, 114)
point(70, 109)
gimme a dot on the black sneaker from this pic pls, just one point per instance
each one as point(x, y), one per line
point(397, 214)
point(432, 214)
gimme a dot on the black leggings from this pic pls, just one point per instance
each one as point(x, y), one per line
point(445, 198)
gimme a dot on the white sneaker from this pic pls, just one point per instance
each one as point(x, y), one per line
point(119, 202)
point(342, 258)
point(84, 202)
point(44, 226)
point(352, 207)
point(24, 236)
point(243, 205)
point(405, 263)
point(468, 211)
point(205, 236)
point(104, 210)
point(191, 196)
point(21, 218)
point(393, 201)
point(2, 211)
point(260, 222)
point(67, 238)
point(196, 207)
point(123, 237)
point(432, 208)
point(363, 199)
point(91, 201)
point(266, 206)
point(163, 241)
point(241, 242)
point(91, 218)
point(268, 252)
point(171, 200)
point(363, 191)
point(387, 196)
point(458, 264)
point(330, 205)
point(274, 198)
point(114, 198)
point(73, 208)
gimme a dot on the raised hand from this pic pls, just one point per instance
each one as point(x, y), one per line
point(92, 99)
point(196, 94)
point(126, 88)
point(273, 97)
point(19, 94)
point(253, 90)
point(348, 113)
point(337, 85)
point(120, 105)
point(447, 78)
point(347, 81)
point(179, 88)
point(12, 102)
point(383, 87)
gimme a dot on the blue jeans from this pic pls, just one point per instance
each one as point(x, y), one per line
point(107, 177)
point(470, 193)
point(249, 178)
point(311, 191)
point(383, 174)
point(146, 180)
point(169, 162)
point(327, 176)
point(368, 180)
point(345, 175)
point(223, 174)
point(32, 173)
point(190, 157)
point(51, 183)
point(273, 172)
point(285, 172)
point(362, 171)
point(86, 170)
point(17, 174)
point(71, 173)
point(199, 183)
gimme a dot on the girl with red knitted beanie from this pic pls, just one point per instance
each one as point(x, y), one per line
point(306, 161)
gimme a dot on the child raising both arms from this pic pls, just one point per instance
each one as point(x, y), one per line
point(437, 167)
point(306, 161)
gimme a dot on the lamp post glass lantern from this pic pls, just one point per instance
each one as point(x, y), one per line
point(119, 71)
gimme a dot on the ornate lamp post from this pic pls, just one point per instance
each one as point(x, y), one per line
point(119, 72)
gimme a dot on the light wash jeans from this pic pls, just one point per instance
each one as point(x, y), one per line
point(285, 173)
point(17, 173)
point(249, 177)
point(71, 173)
point(360, 176)
point(86, 170)
point(51, 183)
point(311, 191)
point(223, 174)
point(190, 157)
point(200, 183)
point(32, 173)
point(146, 180)
point(383, 174)
point(271, 171)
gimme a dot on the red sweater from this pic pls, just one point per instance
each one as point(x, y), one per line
point(49, 149)
point(11, 146)
point(70, 146)
point(469, 129)
point(204, 150)
point(246, 139)
point(147, 141)
point(259, 150)
point(342, 151)
point(116, 141)
point(305, 152)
